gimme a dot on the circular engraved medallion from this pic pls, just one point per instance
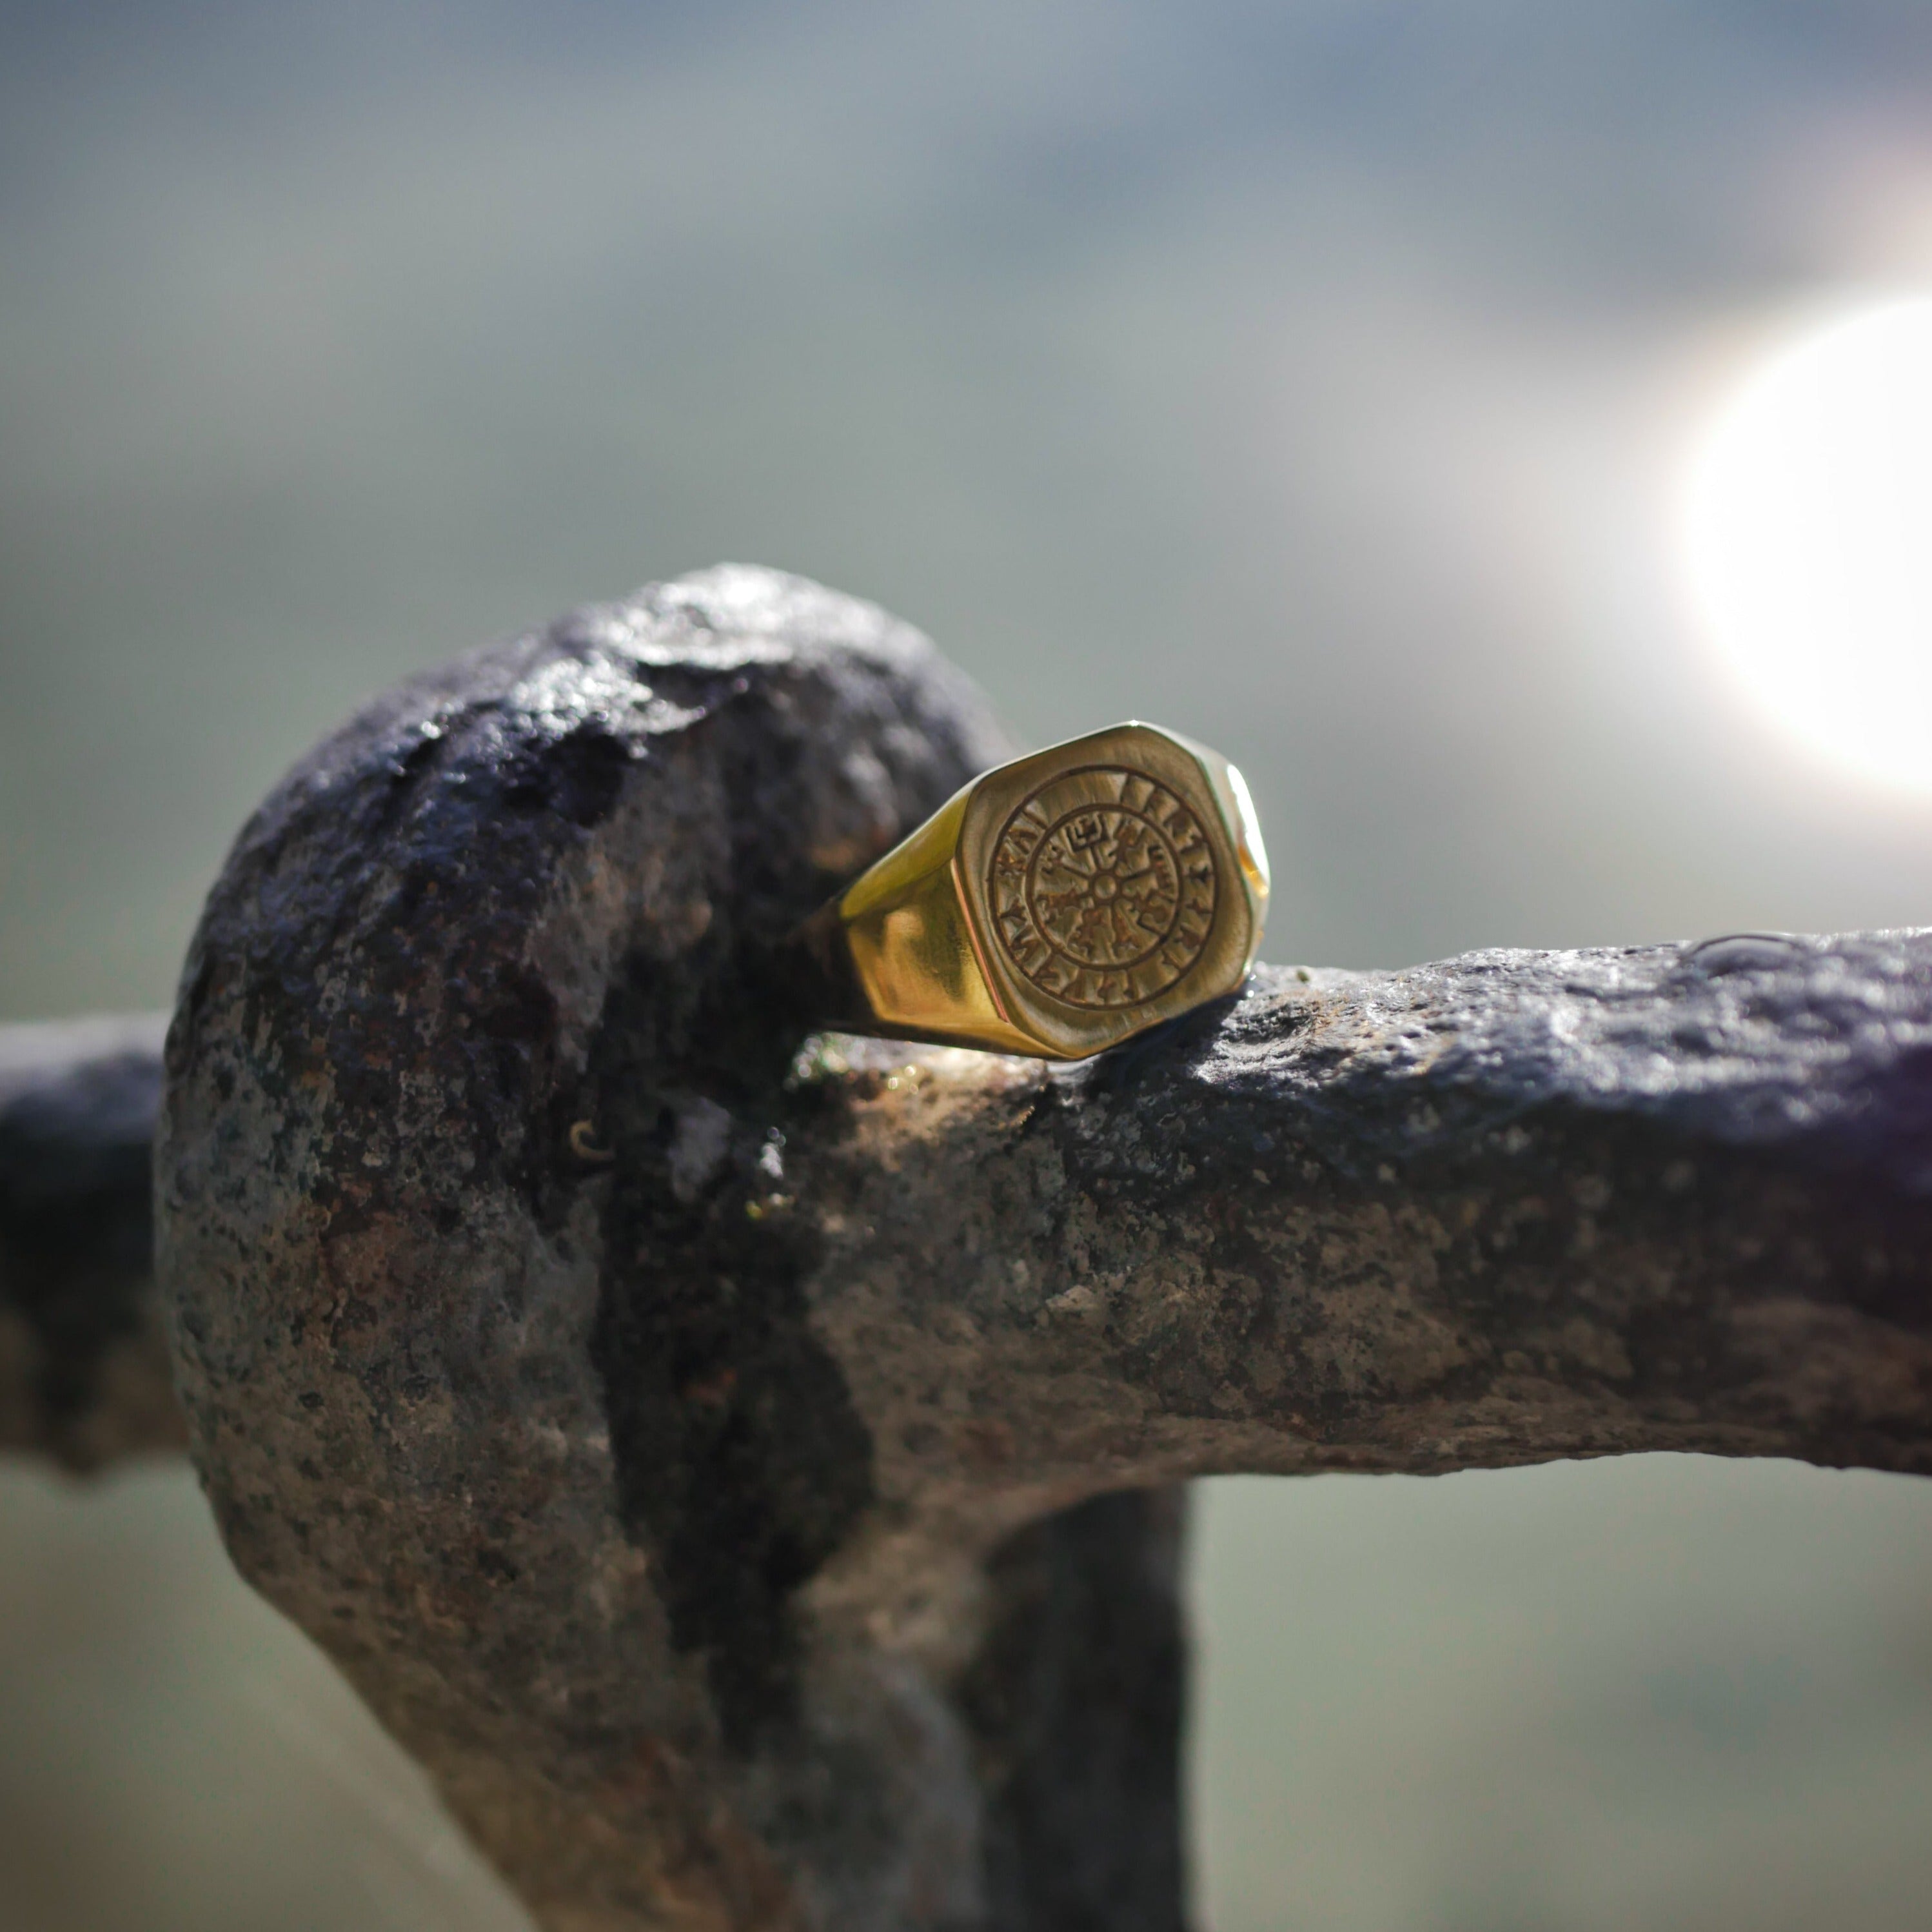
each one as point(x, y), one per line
point(1102, 887)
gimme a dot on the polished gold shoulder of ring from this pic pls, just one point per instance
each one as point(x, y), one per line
point(1055, 906)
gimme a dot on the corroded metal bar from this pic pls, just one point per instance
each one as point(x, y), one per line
point(735, 1463)
point(84, 1375)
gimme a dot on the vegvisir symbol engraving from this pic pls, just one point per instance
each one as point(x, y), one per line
point(1102, 887)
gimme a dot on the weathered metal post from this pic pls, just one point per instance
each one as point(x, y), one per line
point(740, 1467)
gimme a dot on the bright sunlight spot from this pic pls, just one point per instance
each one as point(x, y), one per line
point(1807, 532)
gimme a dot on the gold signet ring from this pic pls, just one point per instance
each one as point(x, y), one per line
point(1056, 906)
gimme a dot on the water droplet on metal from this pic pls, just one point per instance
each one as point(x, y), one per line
point(1744, 952)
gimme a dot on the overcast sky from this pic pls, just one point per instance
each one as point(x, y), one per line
point(1308, 377)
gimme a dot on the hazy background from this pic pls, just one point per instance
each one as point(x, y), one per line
point(1311, 377)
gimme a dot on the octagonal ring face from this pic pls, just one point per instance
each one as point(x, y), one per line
point(1109, 885)
point(1101, 887)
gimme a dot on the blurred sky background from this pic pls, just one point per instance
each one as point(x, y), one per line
point(1312, 377)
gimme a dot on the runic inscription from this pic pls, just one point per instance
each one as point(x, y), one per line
point(1103, 888)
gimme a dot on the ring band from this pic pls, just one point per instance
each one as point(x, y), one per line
point(1055, 906)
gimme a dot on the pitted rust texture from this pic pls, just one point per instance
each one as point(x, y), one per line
point(1503, 1209)
point(495, 1387)
point(692, 1438)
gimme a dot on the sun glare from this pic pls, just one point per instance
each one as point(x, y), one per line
point(1807, 533)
